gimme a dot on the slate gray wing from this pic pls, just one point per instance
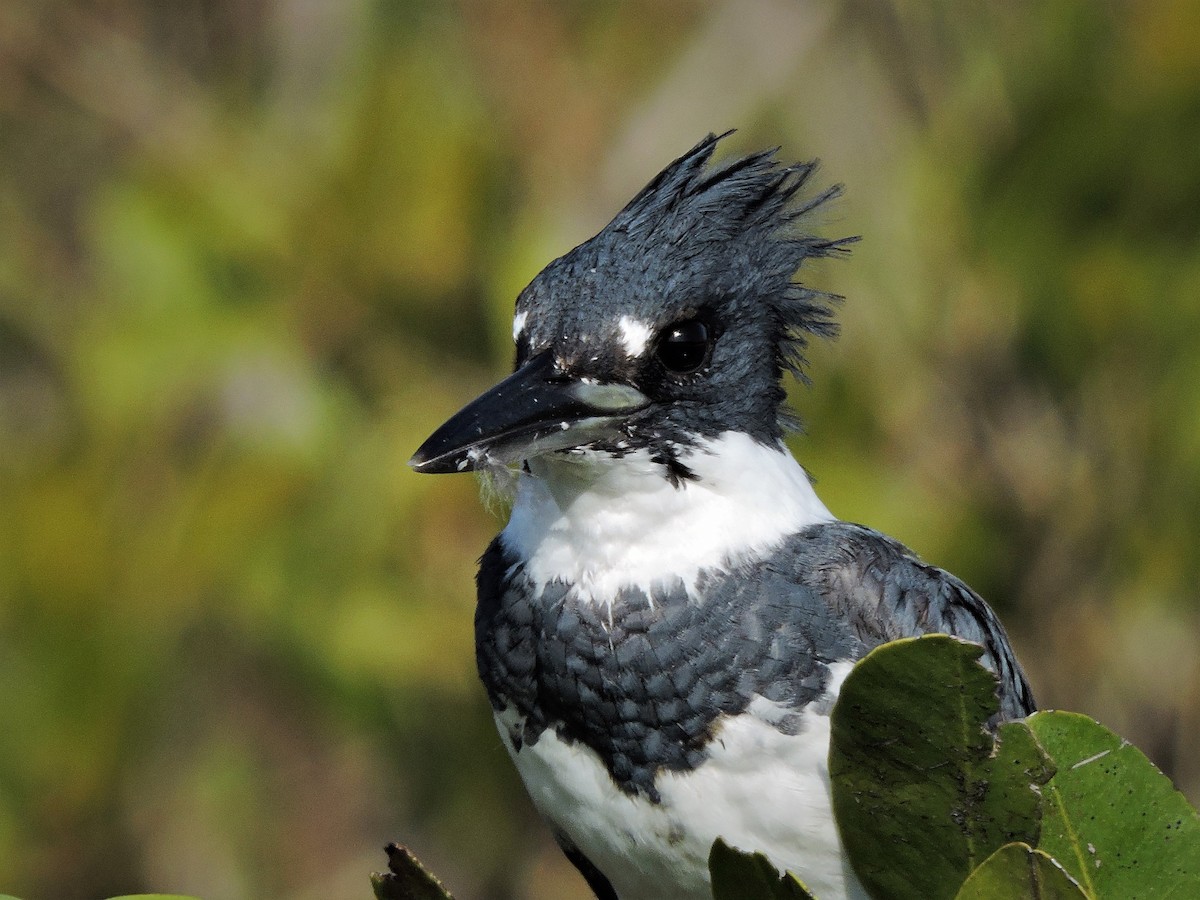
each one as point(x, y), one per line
point(885, 592)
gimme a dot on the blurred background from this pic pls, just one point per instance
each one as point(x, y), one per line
point(253, 251)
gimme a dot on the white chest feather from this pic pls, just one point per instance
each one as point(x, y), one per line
point(602, 523)
point(759, 789)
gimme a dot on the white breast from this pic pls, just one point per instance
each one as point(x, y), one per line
point(601, 523)
point(759, 790)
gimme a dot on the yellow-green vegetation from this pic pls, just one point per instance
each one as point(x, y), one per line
point(252, 253)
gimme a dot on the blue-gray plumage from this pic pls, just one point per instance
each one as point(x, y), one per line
point(665, 621)
point(648, 702)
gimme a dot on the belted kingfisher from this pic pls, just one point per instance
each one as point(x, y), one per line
point(665, 621)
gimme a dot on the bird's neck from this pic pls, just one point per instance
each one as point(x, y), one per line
point(601, 523)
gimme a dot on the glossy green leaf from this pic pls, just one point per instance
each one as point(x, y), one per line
point(407, 879)
point(1019, 872)
point(1113, 820)
point(922, 791)
point(750, 876)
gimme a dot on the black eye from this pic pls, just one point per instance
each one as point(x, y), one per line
point(683, 347)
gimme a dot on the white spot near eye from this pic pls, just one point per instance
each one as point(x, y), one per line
point(635, 335)
point(518, 325)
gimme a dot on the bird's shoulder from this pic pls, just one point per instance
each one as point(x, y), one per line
point(883, 591)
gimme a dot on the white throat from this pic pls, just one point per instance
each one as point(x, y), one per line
point(603, 523)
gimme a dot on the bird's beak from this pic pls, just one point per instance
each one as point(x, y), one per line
point(535, 410)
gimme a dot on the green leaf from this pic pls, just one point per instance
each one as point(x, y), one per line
point(1113, 820)
point(750, 876)
point(1019, 872)
point(922, 791)
point(407, 878)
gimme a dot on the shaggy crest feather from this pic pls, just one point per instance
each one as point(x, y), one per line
point(752, 204)
point(721, 244)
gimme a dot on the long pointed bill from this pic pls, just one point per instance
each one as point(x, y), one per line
point(535, 410)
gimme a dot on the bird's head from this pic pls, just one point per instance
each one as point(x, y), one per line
point(674, 324)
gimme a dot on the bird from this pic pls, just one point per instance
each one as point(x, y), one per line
point(664, 622)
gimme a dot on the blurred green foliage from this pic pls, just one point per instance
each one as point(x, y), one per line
point(252, 252)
